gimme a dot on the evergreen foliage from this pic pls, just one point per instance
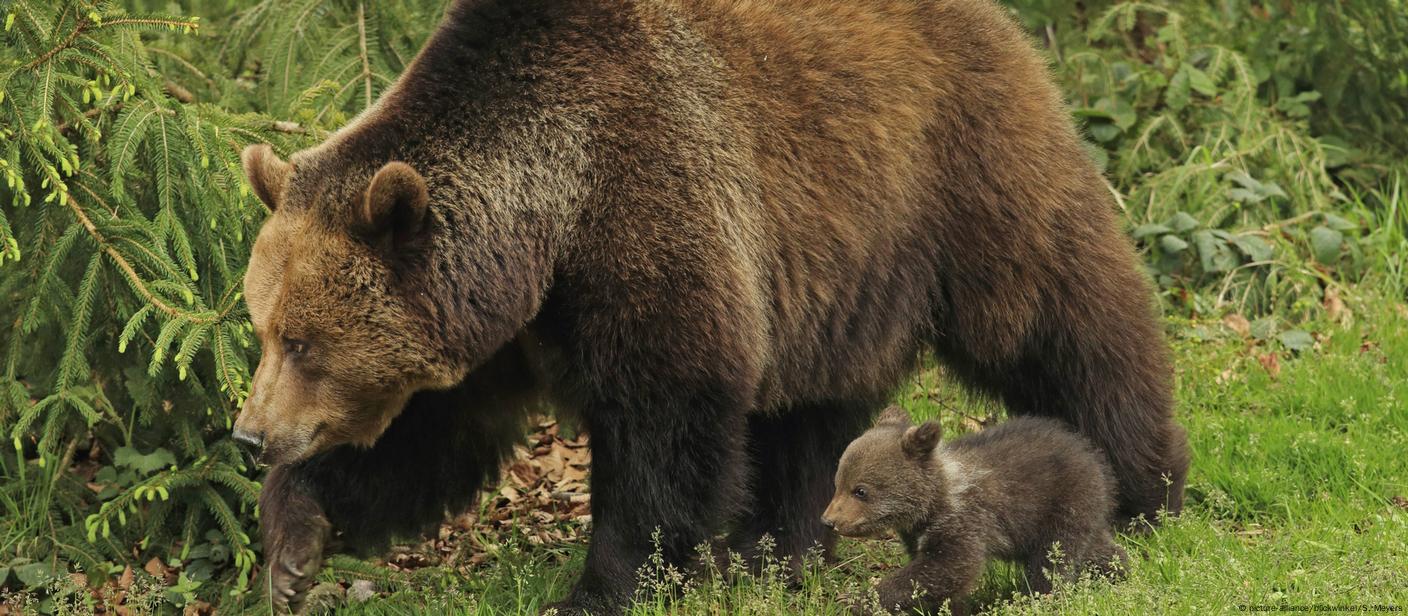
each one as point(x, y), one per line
point(124, 235)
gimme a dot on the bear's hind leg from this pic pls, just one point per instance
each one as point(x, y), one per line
point(792, 457)
point(1093, 356)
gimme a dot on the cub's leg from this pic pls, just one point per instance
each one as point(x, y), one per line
point(1106, 558)
point(1091, 548)
point(948, 571)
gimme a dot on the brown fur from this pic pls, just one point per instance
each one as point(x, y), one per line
point(721, 231)
point(1014, 492)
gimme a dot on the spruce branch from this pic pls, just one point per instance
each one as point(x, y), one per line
point(130, 272)
point(85, 26)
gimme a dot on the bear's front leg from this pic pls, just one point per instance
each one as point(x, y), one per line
point(946, 572)
point(295, 531)
point(664, 475)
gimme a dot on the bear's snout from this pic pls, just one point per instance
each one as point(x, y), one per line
point(255, 442)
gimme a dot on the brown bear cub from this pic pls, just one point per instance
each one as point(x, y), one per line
point(1013, 491)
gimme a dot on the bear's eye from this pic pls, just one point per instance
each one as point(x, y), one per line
point(859, 492)
point(294, 346)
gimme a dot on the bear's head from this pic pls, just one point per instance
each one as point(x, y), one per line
point(888, 478)
point(337, 304)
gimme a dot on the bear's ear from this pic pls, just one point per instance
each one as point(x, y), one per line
point(266, 172)
point(919, 441)
point(395, 205)
point(893, 415)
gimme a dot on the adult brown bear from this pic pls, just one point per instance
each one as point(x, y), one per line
point(721, 232)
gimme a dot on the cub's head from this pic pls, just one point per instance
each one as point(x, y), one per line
point(887, 478)
point(341, 318)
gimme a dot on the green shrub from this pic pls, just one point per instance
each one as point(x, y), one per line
point(1231, 159)
point(124, 233)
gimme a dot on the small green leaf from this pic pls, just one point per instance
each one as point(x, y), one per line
point(1325, 243)
point(1254, 247)
point(1183, 223)
point(1243, 195)
point(1297, 340)
point(1251, 190)
point(1247, 181)
point(1213, 252)
point(1172, 244)
point(1339, 224)
point(1179, 92)
point(1143, 231)
point(34, 575)
point(145, 464)
point(1207, 247)
point(1120, 112)
point(1264, 328)
point(1104, 131)
point(1201, 82)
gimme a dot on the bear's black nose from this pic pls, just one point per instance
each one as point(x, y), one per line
point(255, 442)
point(828, 522)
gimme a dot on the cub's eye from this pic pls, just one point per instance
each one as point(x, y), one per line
point(859, 492)
point(294, 346)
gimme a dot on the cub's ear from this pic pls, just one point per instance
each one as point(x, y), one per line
point(919, 441)
point(266, 172)
point(893, 415)
point(395, 205)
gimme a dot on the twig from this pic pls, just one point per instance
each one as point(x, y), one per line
point(90, 114)
point(1272, 226)
point(178, 92)
point(127, 268)
point(362, 42)
point(185, 63)
point(285, 126)
point(66, 460)
point(1119, 199)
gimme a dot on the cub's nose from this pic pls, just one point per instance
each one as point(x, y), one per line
point(830, 523)
point(255, 442)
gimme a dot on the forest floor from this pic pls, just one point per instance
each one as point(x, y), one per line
point(1297, 500)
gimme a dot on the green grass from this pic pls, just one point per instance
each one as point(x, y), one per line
point(1290, 499)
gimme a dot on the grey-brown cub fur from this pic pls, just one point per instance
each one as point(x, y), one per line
point(1012, 491)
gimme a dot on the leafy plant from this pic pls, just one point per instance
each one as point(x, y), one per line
point(1186, 106)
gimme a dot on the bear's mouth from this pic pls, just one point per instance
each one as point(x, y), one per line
point(864, 529)
point(283, 453)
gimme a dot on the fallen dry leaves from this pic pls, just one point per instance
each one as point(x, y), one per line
point(1334, 305)
point(1271, 363)
point(543, 499)
point(1238, 324)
